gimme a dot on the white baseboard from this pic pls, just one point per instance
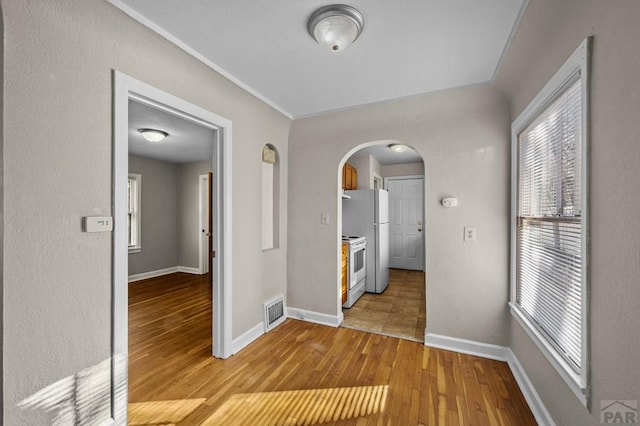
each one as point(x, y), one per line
point(242, 341)
point(152, 274)
point(469, 347)
point(315, 317)
point(533, 399)
point(161, 272)
point(499, 353)
point(189, 270)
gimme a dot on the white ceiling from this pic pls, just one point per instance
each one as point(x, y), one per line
point(385, 156)
point(408, 47)
point(187, 142)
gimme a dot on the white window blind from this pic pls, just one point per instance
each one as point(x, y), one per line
point(133, 212)
point(130, 210)
point(549, 224)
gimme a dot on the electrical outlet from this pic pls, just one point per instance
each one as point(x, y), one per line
point(469, 234)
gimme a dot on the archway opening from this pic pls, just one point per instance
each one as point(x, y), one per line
point(381, 240)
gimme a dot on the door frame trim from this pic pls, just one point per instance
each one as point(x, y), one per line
point(124, 89)
point(203, 260)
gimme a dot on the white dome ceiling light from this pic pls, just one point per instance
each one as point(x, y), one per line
point(398, 148)
point(153, 135)
point(335, 27)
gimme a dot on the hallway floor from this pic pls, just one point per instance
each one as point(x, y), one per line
point(398, 312)
point(299, 373)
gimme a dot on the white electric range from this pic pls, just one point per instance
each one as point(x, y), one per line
point(356, 268)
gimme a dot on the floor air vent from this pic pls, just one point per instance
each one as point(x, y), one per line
point(274, 314)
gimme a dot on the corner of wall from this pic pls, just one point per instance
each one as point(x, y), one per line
point(499, 353)
point(536, 405)
point(1, 214)
point(246, 338)
point(315, 317)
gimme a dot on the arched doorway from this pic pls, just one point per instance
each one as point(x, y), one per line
point(382, 213)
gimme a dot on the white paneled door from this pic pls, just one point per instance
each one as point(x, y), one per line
point(406, 223)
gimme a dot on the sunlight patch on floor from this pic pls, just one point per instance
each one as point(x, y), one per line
point(300, 407)
point(162, 412)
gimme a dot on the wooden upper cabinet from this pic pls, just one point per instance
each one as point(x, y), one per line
point(347, 171)
point(349, 177)
point(344, 177)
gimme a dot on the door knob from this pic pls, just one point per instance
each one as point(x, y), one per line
point(419, 229)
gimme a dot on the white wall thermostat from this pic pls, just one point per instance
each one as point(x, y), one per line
point(97, 224)
point(449, 202)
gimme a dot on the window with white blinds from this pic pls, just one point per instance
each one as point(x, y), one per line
point(134, 185)
point(549, 232)
point(549, 226)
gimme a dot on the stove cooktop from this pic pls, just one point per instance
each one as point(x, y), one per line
point(352, 239)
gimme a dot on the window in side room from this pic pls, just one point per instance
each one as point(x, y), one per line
point(134, 187)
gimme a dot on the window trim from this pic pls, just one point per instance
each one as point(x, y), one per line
point(137, 247)
point(578, 63)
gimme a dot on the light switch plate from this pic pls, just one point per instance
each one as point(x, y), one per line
point(469, 234)
point(97, 224)
point(324, 218)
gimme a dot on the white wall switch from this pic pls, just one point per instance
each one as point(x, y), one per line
point(324, 218)
point(469, 234)
point(97, 224)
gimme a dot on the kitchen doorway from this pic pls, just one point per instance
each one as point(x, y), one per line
point(127, 89)
point(393, 301)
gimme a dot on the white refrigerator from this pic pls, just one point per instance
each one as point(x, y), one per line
point(366, 214)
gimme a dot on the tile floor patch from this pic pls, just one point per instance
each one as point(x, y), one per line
point(399, 311)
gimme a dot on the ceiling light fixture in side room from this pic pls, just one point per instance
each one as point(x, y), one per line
point(335, 27)
point(153, 135)
point(398, 148)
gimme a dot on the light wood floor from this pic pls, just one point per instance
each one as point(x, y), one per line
point(399, 311)
point(174, 380)
point(169, 327)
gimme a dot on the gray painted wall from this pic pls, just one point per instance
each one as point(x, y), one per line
point(407, 169)
point(159, 207)
point(363, 165)
point(58, 64)
point(170, 234)
point(463, 136)
point(188, 219)
point(547, 35)
point(376, 168)
point(1, 214)
point(367, 166)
